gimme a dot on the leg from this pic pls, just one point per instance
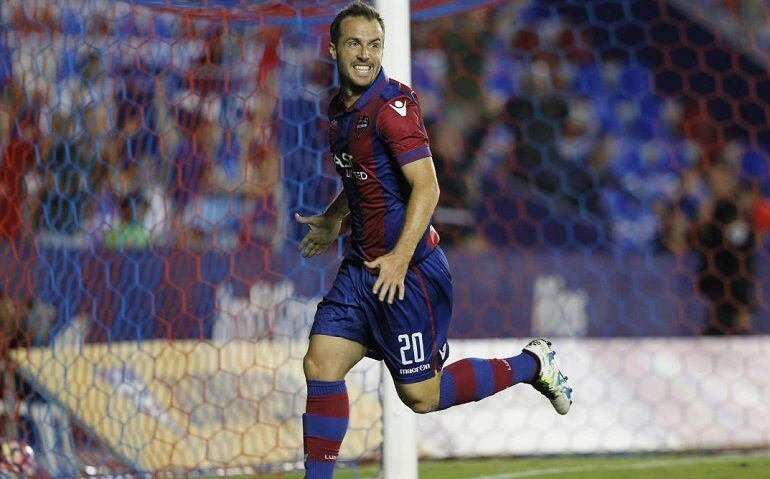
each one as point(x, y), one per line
point(474, 379)
point(325, 421)
point(468, 380)
point(413, 340)
point(422, 397)
point(337, 342)
point(329, 358)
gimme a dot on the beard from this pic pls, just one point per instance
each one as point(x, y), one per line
point(351, 83)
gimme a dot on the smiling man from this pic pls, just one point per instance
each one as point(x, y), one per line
point(392, 298)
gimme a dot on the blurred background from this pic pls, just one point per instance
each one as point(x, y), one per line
point(604, 179)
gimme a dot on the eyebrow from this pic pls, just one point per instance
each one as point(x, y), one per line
point(361, 41)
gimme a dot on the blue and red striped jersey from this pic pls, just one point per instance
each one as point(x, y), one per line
point(370, 142)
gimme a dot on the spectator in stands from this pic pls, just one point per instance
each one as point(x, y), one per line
point(23, 323)
point(198, 108)
point(725, 243)
point(261, 177)
point(464, 44)
point(18, 160)
point(129, 232)
point(537, 115)
point(11, 314)
point(712, 218)
point(128, 171)
point(63, 197)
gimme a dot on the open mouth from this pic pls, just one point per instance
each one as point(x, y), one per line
point(362, 69)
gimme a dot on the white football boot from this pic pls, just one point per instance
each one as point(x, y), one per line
point(550, 382)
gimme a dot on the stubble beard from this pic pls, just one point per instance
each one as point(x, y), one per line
point(348, 86)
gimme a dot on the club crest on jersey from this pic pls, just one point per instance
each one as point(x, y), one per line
point(361, 125)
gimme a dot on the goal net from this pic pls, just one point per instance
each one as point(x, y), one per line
point(604, 183)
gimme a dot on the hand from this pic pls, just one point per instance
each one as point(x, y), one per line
point(323, 231)
point(393, 268)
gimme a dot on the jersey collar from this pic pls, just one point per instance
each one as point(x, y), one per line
point(379, 84)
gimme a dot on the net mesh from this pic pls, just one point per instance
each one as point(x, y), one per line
point(604, 178)
point(153, 153)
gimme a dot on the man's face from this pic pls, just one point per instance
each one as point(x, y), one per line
point(358, 52)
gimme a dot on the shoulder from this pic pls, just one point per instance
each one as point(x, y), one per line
point(396, 103)
point(397, 91)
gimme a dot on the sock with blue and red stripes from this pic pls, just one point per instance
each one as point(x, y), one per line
point(474, 379)
point(324, 425)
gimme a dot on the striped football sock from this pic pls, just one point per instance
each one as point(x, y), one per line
point(324, 425)
point(474, 379)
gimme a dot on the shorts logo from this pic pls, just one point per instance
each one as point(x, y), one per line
point(418, 369)
point(361, 125)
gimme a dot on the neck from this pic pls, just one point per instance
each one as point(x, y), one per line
point(351, 94)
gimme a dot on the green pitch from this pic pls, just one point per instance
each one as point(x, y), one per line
point(726, 466)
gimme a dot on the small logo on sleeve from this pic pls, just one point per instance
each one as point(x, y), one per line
point(399, 106)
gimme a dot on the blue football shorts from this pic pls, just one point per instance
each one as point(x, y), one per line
point(410, 334)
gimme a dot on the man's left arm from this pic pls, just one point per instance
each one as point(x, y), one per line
point(393, 266)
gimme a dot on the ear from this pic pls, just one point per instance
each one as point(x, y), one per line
point(333, 51)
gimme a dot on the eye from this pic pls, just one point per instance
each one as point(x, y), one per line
point(352, 43)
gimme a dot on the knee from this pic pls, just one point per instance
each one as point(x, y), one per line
point(322, 368)
point(421, 405)
point(312, 368)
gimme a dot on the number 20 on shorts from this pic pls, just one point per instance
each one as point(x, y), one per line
point(414, 345)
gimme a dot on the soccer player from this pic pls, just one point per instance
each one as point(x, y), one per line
point(392, 297)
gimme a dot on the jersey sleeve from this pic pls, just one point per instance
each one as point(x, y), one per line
point(400, 125)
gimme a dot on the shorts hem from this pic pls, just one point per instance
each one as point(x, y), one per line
point(336, 334)
point(414, 379)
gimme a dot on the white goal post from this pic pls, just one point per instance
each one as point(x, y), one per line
point(399, 458)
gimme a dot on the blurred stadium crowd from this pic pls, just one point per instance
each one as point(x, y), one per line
point(169, 137)
point(130, 125)
point(116, 126)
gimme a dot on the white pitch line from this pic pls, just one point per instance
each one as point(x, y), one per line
point(619, 467)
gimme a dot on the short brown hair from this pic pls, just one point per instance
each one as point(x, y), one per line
point(355, 9)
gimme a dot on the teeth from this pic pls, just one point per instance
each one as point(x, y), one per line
point(362, 68)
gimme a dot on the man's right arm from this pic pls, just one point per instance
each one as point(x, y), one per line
point(323, 228)
point(339, 207)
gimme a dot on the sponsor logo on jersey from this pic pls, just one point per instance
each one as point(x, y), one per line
point(344, 160)
point(345, 163)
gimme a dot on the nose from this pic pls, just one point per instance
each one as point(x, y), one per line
point(363, 53)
